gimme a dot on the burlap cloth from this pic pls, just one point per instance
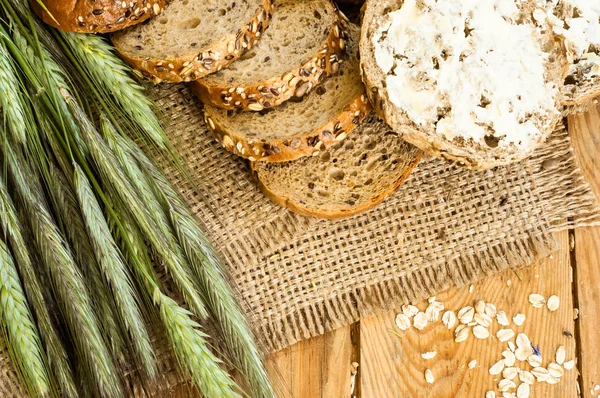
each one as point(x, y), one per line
point(299, 277)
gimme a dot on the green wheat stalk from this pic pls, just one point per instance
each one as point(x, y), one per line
point(70, 221)
point(25, 347)
point(55, 352)
point(11, 101)
point(111, 76)
point(111, 262)
point(67, 282)
point(189, 343)
point(111, 172)
point(214, 288)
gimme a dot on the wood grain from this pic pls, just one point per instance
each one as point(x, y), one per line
point(392, 366)
point(585, 133)
point(319, 367)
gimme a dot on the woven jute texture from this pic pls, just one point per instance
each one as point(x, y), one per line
point(299, 277)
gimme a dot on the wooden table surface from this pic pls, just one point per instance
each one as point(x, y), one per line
point(373, 358)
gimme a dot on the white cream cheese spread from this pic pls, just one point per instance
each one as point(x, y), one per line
point(467, 69)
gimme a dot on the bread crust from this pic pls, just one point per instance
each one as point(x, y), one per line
point(430, 143)
point(309, 144)
point(99, 16)
point(334, 215)
point(209, 59)
point(294, 83)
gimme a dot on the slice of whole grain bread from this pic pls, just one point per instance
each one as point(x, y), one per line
point(96, 16)
point(476, 82)
point(193, 38)
point(296, 129)
point(300, 49)
point(350, 177)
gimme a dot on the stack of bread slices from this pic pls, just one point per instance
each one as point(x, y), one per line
point(478, 82)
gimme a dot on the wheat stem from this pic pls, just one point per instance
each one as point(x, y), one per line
point(55, 352)
point(67, 282)
point(111, 262)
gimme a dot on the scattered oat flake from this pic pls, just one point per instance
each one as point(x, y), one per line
point(461, 333)
point(523, 341)
point(569, 364)
point(555, 370)
point(505, 334)
point(429, 376)
point(490, 394)
point(561, 354)
point(483, 320)
point(523, 353)
point(534, 360)
point(541, 374)
point(429, 355)
point(519, 319)
point(449, 319)
point(526, 377)
point(510, 373)
point(523, 391)
point(537, 300)
point(490, 310)
point(402, 321)
point(507, 394)
point(409, 310)
point(509, 357)
point(497, 368)
point(505, 385)
point(597, 387)
point(472, 364)
point(552, 380)
point(480, 332)
point(465, 315)
point(502, 318)
point(512, 346)
point(553, 303)
point(471, 289)
point(480, 306)
point(420, 321)
point(431, 299)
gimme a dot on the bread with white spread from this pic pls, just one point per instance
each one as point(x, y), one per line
point(473, 81)
point(578, 22)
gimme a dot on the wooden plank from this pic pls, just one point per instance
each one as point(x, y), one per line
point(585, 132)
point(392, 366)
point(319, 367)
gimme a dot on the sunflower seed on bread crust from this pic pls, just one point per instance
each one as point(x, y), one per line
point(192, 39)
point(293, 57)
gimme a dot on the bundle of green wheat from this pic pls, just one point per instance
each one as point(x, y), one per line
point(84, 216)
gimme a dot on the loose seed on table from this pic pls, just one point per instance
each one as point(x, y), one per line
point(429, 355)
point(480, 306)
point(505, 385)
point(534, 360)
point(490, 310)
point(409, 310)
point(519, 319)
point(523, 353)
point(429, 376)
point(502, 318)
point(402, 321)
point(526, 377)
point(483, 320)
point(537, 300)
point(465, 315)
point(420, 321)
point(461, 333)
point(510, 373)
point(523, 391)
point(555, 370)
point(552, 380)
point(541, 374)
point(480, 332)
point(472, 364)
point(509, 357)
point(505, 334)
point(449, 319)
point(560, 355)
point(523, 341)
point(553, 303)
point(497, 368)
point(512, 346)
point(569, 364)
point(490, 394)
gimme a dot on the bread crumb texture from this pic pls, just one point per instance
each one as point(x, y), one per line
point(468, 69)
